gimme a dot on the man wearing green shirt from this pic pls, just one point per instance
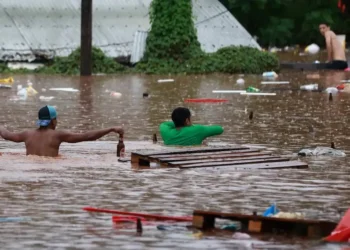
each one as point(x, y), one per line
point(181, 131)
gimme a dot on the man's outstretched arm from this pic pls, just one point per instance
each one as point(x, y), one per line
point(93, 135)
point(10, 136)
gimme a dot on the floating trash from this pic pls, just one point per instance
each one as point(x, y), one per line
point(5, 86)
point(229, 91)
point(7, 80)
point(65, 89)
point(14, 219)
point(275, 82)
point(289, 215)
point(332, 90)
point(240, 81)
point(312, 49)
point(251, 89)
point(46, 98)
point(321, 151)
point(241, 236)
point(309, 87)
point(262, 94)
point(270, 74)
point(165, 80)
point(116, 94)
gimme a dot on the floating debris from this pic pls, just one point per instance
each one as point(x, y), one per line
point(165, 80)
point(240, 81)
point(65, 89)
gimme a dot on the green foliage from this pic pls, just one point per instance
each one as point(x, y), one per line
point(286, 22)
point(173, 35)
point(226, 60)
point(71, 65)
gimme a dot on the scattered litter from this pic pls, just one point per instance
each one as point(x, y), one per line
point(321, 151)
point(312, 49)
point(43, 90)
point(22, 91)
point(251, 89)
point(341, 86)
point(65, 89)
point(5, 86)
point(275, 82)
point(46, 98)
point(240, 81)
point(267, 94)
point(309, 87)
point(30, 90)
point(116, 94)
point(229, 91)
point(317, 61)
point(270, 74)
point(272, 210)
point(241, 236)
point(289, 215)
point(206, 100)
point(165, 80)
point(7, 80)
point(332, 90)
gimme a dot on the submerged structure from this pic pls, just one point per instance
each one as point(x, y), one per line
point(35, 29)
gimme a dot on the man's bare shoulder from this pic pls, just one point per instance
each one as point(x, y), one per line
point(330, 33)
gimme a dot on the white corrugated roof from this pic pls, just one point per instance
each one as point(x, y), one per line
point(52, 28)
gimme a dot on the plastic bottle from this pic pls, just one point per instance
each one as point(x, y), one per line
point(252, 89)
point(270, 74)
point(309, 87)
point(121, 147)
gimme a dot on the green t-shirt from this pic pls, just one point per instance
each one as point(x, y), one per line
point(187, 136)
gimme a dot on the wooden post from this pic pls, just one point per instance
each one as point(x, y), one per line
point(86, 38)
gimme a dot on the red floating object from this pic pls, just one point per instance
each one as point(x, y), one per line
point(206, 100)
point(341, 86)
point(342, 232)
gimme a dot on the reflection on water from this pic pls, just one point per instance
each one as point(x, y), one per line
point(53, 191)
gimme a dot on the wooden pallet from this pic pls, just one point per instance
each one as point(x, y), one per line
point(231, 157)
point(205, 220)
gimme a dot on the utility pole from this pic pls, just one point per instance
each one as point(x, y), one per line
point(86, 38)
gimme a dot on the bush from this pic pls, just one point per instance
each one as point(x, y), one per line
point(225, 60)
point(71, 65)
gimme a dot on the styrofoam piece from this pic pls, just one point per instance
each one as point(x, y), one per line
point(65, 89)
point(229, 91)
point(252, 93)
point(275, 82)
point(165, 80)
point(347, 81)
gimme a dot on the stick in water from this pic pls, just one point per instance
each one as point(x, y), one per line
point(251, 115)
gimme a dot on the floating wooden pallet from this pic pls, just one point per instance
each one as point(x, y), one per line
point(258, 224)
point(231, 157)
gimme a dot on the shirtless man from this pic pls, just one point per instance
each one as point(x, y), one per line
point(46, 141)
point(336, 52)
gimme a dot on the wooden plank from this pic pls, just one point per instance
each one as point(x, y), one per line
point(221, 160)
point(229, 163)
point(272, 165)
point(260, 224)
point(189, 150)
point(220, 156)
point(164, 157)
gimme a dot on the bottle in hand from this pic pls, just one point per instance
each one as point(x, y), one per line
point(121, 147)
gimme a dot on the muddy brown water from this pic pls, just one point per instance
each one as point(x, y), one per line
point(51, 192)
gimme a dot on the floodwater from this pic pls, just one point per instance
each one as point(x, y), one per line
point(52, 192)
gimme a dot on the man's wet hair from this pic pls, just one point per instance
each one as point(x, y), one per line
point(326, 23)
point(180, 115)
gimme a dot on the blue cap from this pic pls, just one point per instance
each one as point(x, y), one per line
point(46, 115)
